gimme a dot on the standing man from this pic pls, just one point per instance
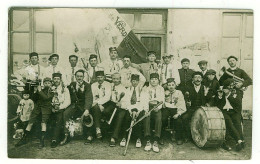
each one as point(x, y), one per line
point(197, 97)
point(150, 67)
point(168, 71)
point(54, 67)
point(81, 101)
point(185, 74)
point(101, 91)
point(70, 71)
point(151, 96)
point(203, 64)
point(93, 69)
point(127, 71)
point(60, 102)
point(112, 65)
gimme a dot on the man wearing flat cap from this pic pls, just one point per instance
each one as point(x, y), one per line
point(211, 83)
point(70, 70)
point(149, 67)
point(93, 68)
point(54, 67)
point(127, 71)
point(228, 100)
point(111, 65)
point(135, 109)
point(101, 91)
point(195, 96)
point(32, 72)
point(185, 74)
point(151, 96)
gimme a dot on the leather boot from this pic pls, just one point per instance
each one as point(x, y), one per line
point(42, 140)
point(23, 140)
point(65, 140)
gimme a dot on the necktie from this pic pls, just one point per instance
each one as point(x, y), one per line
point(99, 86)
point(152, 67)
point(133, 98)
point(171, 98)
point(72, 76)
point(53, 69)
point(94, 73)
point(166, 71)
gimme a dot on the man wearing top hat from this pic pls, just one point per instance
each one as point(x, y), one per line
point(150, 67)
point(185, 74)
point(60, 102)
point(101, 91)
point(93, 69)
point(111, 65)
point(127, 71)
point(228, 100)
point(54, 67)
point(151, 96)
point(81, 102)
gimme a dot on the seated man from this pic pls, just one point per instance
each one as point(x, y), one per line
point(135, 110)
point(81, 101)
point(229, 102)
point(174, 107)
point(101, 91)
point(151, 96)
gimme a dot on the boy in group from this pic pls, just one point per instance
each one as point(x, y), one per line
point(42, 107)
point(60, 102)
point(135, 110)
point(101, 91)
point(174, 107)
point(212, 84)
point(152, 96)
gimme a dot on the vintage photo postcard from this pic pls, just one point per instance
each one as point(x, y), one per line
point(130, 83)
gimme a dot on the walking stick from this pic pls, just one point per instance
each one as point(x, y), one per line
point(129, 134)
point(114, 112)
point(146, 115)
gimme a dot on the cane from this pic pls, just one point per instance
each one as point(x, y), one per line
point(130, 132)
point(114, 112)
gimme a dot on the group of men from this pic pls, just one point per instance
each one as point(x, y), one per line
point(120, 91)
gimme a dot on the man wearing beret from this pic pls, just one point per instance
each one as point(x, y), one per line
point(151, 96)
point(232, 61)
point(127, 71)
point(135, 109)
point(54, 67)
point(149, 67)
point(70, 71)
point(101, 91)
point(43, 108)
point(93, 69)
point(195, 97)
point(81, 102)
point(228, 100)
point(185, 74)
point(111, 65)
point(60, 102)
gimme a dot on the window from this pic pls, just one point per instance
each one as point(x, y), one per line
point(30, 30)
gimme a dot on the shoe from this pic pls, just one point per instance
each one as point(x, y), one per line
point(148, 146)
point(138, 143)
point(179, 142)
point(155, 147)
point(161, 141)
point(112, 142)
point(239, 147)
point(22, 141)
point(42, 141)
point(65, 140)
point(54, 143)
point(98, 132)
point(225, 146)
point(123, 142)
point(89, 140)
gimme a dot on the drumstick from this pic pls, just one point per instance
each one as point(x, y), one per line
point(114, 112)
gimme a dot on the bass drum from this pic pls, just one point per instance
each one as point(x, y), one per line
point(208, 128)
point(13, 102)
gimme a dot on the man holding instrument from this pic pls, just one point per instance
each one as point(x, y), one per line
point(134, 108)
point(81, 101)
point(151, 96)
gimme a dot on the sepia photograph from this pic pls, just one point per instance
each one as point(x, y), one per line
point(130, 83)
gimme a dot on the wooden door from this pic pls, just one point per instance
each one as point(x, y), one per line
point(153, 44)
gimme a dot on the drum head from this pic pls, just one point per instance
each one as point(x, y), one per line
point(199, 127)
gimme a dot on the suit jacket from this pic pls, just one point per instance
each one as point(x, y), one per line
point(44, 101)
point(86, 101)
point(185, 79)
point(193, 95)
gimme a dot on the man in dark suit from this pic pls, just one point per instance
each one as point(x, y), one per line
point(81, 101)
point(185, 74)
point(197, 97)
point(228, 101)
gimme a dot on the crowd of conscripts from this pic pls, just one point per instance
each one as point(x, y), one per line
point(119, 91)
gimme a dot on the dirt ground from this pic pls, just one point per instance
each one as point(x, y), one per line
point(100, 150)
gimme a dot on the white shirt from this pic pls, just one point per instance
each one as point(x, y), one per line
point(68, 74)
point(90, 72)
point(129, 93)
point(204, 72)
point(101, 95)
point(25, 107)
point(31, 72)
point(197, 88)
point(126, 76)
point(170, 72)
point(54, 69)
point(63, 97)
point(227, 105)
point(175, 100)
point(80, 86)
point(110, 67)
